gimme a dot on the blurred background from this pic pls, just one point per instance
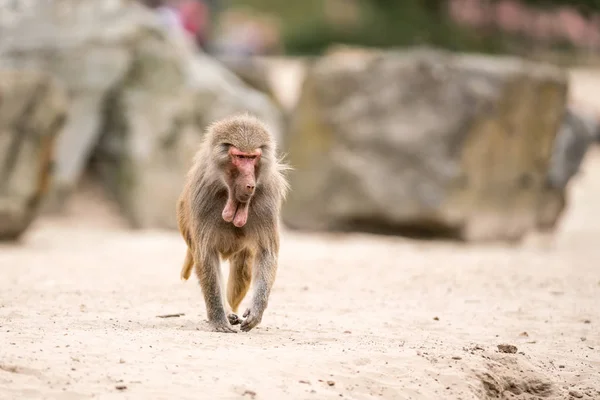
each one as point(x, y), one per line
point(270, 27)
point(455, 119)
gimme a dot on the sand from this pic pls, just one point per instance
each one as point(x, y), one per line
point(354, 316)
point(351, 316)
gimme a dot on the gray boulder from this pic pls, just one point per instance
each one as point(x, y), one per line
point(33, 109)
point(572, 142)
point(423, 142)
point(152, 127)
point(85, 46)
point(577, 132)
point(141, 97)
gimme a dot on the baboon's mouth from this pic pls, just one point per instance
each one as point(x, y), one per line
point(243, 199)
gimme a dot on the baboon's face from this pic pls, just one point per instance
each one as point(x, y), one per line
point(242, 172)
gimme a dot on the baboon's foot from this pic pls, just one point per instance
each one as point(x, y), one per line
point(222, 326)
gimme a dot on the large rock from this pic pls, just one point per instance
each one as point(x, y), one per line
point(153, 126)
point(141, 98)
point(424, 142)
point(33, 109)
point(85, 48)
point(577, 132)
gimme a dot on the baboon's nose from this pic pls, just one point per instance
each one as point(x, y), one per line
point(250, 188)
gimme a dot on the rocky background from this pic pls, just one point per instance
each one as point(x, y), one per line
point(411, 142)
point(139, 96)
point(102, 107)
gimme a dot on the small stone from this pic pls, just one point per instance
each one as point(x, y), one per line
point(576, 394)
point(331, 383)
point(507, 348)
point(121, 387)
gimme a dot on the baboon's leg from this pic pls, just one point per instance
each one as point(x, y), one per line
point(240, 276)
point(208, 270)
point(263, 277)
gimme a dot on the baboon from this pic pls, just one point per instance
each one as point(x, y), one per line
point(229, 210)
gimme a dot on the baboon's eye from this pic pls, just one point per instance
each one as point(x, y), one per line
point(245, 156)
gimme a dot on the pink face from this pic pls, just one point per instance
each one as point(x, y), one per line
point(244, 173)
point(242, 184)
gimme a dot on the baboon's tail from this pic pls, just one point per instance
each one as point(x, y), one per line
point(188, 265)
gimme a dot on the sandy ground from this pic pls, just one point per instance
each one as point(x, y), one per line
point(355, 316)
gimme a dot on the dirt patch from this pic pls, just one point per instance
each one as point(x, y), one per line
point(514, 378)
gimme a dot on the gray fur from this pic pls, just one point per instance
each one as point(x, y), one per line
point(252, 249)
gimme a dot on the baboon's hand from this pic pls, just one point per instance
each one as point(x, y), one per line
point(234, 319)
point(253, 317)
